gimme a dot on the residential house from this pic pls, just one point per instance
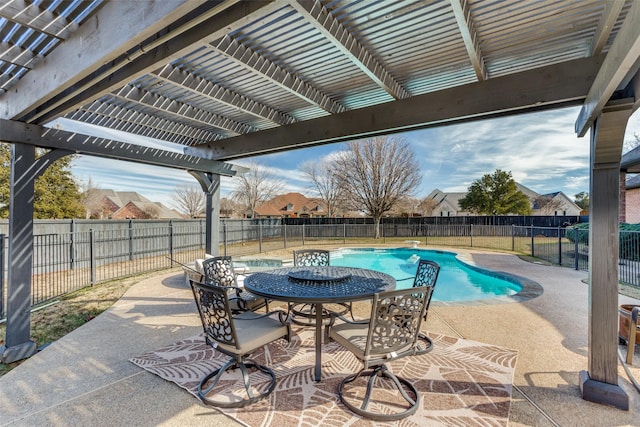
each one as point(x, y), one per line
point(629, 208)
point(447, 204)
point(555, 204)
point(291, 205)
point(127, 205)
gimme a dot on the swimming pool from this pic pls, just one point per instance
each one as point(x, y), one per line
point(457, 281)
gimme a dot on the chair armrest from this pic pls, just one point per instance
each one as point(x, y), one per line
point(334, 316)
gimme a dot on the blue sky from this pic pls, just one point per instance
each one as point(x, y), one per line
point(541, 151)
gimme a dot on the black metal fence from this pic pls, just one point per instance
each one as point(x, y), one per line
point(68, 261)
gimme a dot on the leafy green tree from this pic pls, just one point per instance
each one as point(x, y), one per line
point(56, 194)
point(496, 194)
point(582, 200)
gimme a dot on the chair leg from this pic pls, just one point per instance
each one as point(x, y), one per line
point(403, 386)
point(304, 314)
point(426, 343)
point(204, 390)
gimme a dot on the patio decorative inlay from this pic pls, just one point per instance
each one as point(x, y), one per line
point(463, 382)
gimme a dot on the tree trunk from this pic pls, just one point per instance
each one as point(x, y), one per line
point(376, 221)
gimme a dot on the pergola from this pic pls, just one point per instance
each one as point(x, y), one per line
point(228, 79)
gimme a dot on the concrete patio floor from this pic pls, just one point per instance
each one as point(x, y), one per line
point(85, 378)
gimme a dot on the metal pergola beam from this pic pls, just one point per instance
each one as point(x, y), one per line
point(181, 111)
point(255, 63)
point(340, 37)
point(17, 132)
point(217, 93)
point(139, 123)
point(469, 36)
point(209, 22)
point(548, 87)
point(92, 46)
point(619, 65)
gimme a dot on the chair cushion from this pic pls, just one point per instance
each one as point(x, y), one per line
point(353, 337)
point(254, 331)
point(199, 266)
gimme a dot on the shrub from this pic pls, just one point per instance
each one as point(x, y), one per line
point(629, 239)
point(582, 232)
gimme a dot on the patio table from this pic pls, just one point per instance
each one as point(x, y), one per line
point(318, 286)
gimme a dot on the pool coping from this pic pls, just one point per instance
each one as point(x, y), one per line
point(530, 288)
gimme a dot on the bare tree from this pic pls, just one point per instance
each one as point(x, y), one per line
point(548, 205)
point(256, 186)
point(375, 173)
point(405, 206)
point(229, 208)
point(324, 182)
point(92, 199)
point(631, 144)
point(152, 211)
point(426, 206)
point(190, 200)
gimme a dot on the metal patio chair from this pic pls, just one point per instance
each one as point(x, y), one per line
point(305, 314)
point(219, 271)
point(392, 332)
point(237, 336)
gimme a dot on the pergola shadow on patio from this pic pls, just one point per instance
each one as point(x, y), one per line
point(223, 80)
point(87, 377)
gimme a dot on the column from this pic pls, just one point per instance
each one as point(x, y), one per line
point(18, 344)
point(600, 383)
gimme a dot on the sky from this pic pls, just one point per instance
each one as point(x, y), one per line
point(541, 150)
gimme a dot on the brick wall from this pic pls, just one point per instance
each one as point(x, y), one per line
point(130, 211)
point(633, 206)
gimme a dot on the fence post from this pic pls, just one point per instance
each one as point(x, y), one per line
point(559, 246)
point(224, 237)
point(1, 276)
point(302, 234)
point(426, 234)
point(171, 241)
point(344, 233)
point(130, 240)
point(471, 233)
point(72, 246)
point(284, 230)
point(533, 251)
point(576, 262)
point(513, 238)
point(260, 237)
point(92, 262)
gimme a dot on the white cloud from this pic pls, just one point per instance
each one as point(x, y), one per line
point(540, 149)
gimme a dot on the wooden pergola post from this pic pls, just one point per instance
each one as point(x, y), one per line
point(600, 383)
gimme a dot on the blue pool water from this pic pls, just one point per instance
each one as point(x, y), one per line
point(457, 281)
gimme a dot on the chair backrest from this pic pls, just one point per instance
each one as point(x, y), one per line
point(396, 317)
point(311, 258)
point(219, 271)
point(215, 314)
point(427, 275)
